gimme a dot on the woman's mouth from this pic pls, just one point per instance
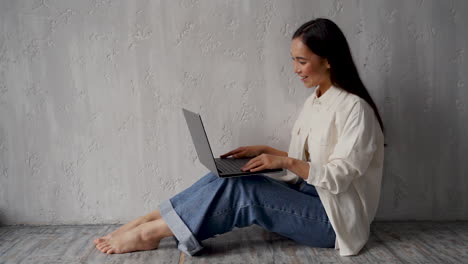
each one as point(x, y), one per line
point(304, 78)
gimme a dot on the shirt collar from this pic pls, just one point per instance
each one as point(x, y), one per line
point(327, 98)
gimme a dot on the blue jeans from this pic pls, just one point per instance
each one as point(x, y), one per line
point(214, 205)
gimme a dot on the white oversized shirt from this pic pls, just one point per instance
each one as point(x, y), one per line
point(345, 151)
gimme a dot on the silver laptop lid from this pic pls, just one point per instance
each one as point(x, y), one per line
point(200, 140)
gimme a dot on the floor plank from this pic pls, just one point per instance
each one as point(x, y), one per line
point(424, 242)
point(390, 242)
point(73, 244)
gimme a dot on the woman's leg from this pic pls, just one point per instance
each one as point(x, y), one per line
point(215, 206)
point(143, 237)
point(143, 233)
point(155, 215)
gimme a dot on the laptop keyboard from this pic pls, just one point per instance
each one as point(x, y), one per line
point(230, 165)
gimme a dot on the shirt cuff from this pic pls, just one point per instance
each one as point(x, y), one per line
point(314, 174)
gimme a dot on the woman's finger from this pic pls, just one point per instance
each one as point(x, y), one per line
point(253, 165)
point(242, 154)
point(235, 154)
point(227, 154)
point(232, 152)
point(250, 162)
point(258, 168)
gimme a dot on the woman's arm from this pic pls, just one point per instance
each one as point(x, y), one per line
point(299, 167)
point(270, 161)
point(273, 151)
point(254, 151)
point(353, 152)
point(351, 157)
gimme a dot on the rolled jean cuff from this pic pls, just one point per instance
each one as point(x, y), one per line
point(187, 243)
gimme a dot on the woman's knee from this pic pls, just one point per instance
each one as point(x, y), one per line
point(250, 178)
point(209, 177)
point(258, 180)
point(237, 180)
point(245, 186)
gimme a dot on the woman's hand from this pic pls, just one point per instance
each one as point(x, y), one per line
point(265, 161)
point(245, 152)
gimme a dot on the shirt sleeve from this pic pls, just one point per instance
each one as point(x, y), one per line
point(352, 154)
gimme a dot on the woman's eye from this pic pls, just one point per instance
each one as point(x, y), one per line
point(302, 62)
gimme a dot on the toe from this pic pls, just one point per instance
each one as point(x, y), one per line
point(101, 246)
point(105, 244)
point(103, 249)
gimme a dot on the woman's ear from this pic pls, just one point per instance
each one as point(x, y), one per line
point(325, 61)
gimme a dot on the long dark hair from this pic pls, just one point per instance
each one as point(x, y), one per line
point(324, 38)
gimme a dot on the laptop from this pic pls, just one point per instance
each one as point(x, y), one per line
point(221, 167)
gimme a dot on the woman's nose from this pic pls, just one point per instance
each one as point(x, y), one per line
point(296, 69)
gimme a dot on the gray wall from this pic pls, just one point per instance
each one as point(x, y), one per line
point(91, 129)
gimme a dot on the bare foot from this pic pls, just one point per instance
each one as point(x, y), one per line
point(144, 237)
point(129, 226)
point(103, 238)
point(127, 242)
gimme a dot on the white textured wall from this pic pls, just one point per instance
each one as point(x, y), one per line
point(91, 129)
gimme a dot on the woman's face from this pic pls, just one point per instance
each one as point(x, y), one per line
point(311, 68)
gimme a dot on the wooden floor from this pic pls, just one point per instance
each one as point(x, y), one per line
point(390, 242)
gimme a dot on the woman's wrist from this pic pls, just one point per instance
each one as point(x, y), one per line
point(287, 163)
point(273, 151)
point(266, 149)
point(298, 167)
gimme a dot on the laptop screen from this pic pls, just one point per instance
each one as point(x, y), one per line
point(200, 140)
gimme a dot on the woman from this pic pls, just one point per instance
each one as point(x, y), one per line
point(331, 192)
